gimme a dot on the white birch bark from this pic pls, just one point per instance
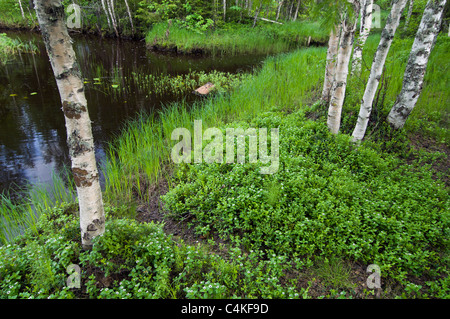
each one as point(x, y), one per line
point(256, 14)
point(330, 69)
point(408, 17)
point(106, 14)
point(129, 15)
point(280, 4)
point(110, 4)
point(340, 80)
point(290, 10)
point(365, 26)
point(21, 9)
point(51, 17)
point(224, 9)
point(387, 36)
point(296, 11)
point(417, 64)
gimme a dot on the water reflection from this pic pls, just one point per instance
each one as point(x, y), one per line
point(32, 131)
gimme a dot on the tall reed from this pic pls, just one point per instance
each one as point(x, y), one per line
point(11, 47)
point(239, 39)
point(140, 154)
point(21, 214)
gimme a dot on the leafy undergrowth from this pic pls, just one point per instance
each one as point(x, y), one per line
point(139, 260)
point(308, 231)
point(329, 198)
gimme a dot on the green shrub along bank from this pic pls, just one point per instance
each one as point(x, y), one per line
point(330, 203)
point(235, 38)
point(308, 231)
point(133, 260)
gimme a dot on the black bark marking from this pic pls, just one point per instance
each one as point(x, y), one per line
point(63, 75)
point(91, 227)
point(73, 110)
point(77, 145)
point(81, 177)
point(54, 13)
point(98, 221)
point(87, 237)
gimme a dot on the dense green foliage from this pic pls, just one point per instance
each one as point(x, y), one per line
point(330, 205)
point(133, 260)
point(328, 198)
point(237, 38)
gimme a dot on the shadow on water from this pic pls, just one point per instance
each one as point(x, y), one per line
point(32, 131)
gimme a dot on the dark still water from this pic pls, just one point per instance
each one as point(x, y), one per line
point(32, 131)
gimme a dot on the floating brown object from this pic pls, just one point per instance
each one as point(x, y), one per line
point(205, 89)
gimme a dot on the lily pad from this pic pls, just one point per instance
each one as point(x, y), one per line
point(115, 86)
point(33, 93)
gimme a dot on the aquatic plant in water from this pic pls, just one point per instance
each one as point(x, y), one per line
point(11, 47)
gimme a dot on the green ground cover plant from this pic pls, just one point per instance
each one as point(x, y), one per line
point(299, 233)
point(330, 199)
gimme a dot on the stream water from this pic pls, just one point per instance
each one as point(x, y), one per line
point(32, 130)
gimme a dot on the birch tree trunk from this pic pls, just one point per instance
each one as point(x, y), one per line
point(290, 10)
point(408, 17)
point(224, 9)
point(129, 15)
point(107, 14)
point(340, 80)
point(364, 30)
point(280, 4)
point(256, 14)
point(330, 69)
point(417, 64)
point(296, 10)
point(51, 17)
point(110, 4)
point(387, 35)
point(21, 9)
